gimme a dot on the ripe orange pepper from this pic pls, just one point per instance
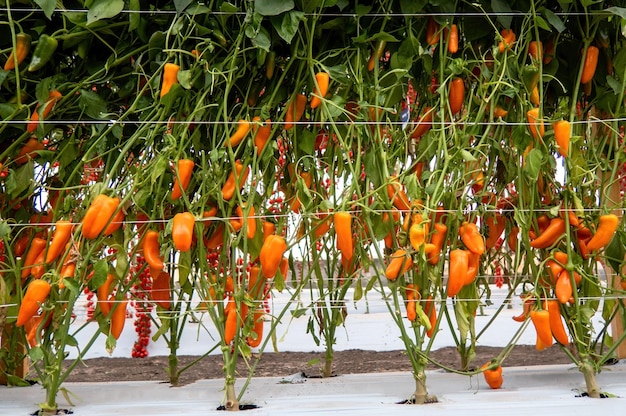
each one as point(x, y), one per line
point(563, 287)
point(550, 235)
point(411, 302)
point(37, 246)
point(535, 124)
point(19, 52)
point(473, 265)
point(424, 123)
point(103, 293)
point(118, 317)
point(377, 53)
point(322, 80)
point(343, 231)
point(453, 38)
point(397, 195)
point(432, 32)
point(471, 237)
point(230, 325)
point(437, 239)
point(495, 227)
point(160, 292)
point(271, 255)
point(459, 265)
point(604, 233)
point(53, 97)
point(152, 251)
point(182, 230)
point(493, 376)
point(535, 50)
point(295, 110)
point(182, 177)
point(590, 62)
point(68, 270)
point(399, 263)
point(250, 221)
point(431, 311)
point(216, 239)
point(556, 323)
point(170, 77)
point(60, 237)
point(98, 215)
point(261, 133)
point(28, 151)
point(243, 127)
point(456, 95)
point(235, 180)
point(541, 321)
point(37, 292)
point(254, 339)
point(562, 135)
point(508, 39)
point(116, 222)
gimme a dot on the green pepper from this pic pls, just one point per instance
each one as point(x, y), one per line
point(530, 76)
point(46, 46)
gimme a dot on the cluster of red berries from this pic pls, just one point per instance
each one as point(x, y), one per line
point(498, 279)
point(91, 305)
point(143, 307)
point(282, 152)
point(275, 204)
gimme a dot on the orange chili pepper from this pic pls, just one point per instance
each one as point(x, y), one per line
point(60, 237)
point(28, 151)
point(261, 133)
point(322, 80)
point(437, 239)
point(459, 265)
point(562, 135)
point(271, 254)
point(411, 302)
point(424, 123)
point(604, 233)
point(471, 237)
point(343, 230)
point(98, 215)
point(399, 263)
point(118, 317)
point(456, 95)
point(590, 62)
point(161, 290)
point(453, 39)
point(541, 321)
point(152, 250)
point(295, 111)
point(397, 195)
point(53, 97)
point(508, 39)
point(36, 294)
point(535, 123)
point(256, 336)
point(556, 323)
point(243, 127)
point(182, 230)
point(182, 177)
point(37, 246)
point(102, 294)
point(432, 32)
point(235, 180)
point(170, 77)
point(550, 235)
point(19, 52)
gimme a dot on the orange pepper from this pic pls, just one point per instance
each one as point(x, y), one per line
point(400, 262)
point(182, 177)
point(271, 255)
point(243, 127)
point(295, 111)
point(60, 237)
point(343, 230)
point(98, 215)
point(261, 133)
point(322, 80)
point(182, 230)
point(170, 77)
point(235, 180)
point(37, 292)
point(118, 317)
point(459, 265)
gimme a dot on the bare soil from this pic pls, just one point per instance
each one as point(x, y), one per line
point(284, 364)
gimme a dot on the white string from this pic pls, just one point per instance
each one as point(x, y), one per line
point(329, 14)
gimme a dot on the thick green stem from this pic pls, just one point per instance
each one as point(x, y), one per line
point(589, 372)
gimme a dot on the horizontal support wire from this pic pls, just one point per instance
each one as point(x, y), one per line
point(446, 123)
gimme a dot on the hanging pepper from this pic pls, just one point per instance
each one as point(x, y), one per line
point(322, 80)
point(182, 177)
point(256, 336)
point(437, 239)
point(541, 321)
point(411, 302)
point(98, 215)
point(508, 39)
point(604, 233)
point(471, 237)
point(102, 293)
point(590, 62)
point(19, 52)
point(170, 77)
point(397, 195)
point(37, 292)
point(295, 110)
point(261, 132)
point(235, 180)
point(400, 262)
point(459, 264)
point(377, 53)
point(456, 95)
point(182, 230)
point(161, 290)
point(556, 323)
point(28, 151)
point(424, 123)
point(53, 97)
point(118, 317)
point(46, 46)
point(562, 135)
point(495, 227)
point(243, 127)
point(152, 251)
point(453, 38)
point(432, 32)
point(271, 254)
point(550, 235)
point(535, 124)
point(343, 230)
point(60, 238)
point(37, 246)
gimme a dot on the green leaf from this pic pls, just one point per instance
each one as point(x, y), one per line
point(36, 353)
point(616, 250)
point(262, 40)
point(100, 272)
point(184, 267)
point(287, 24)
point(554, 20)
point(306, 142)
point(619, 61)
point(5, 230)
point(540, 21)
point(184, 78)
point(615, 85)
point(503, 10)
point(104, 9)
point(412, 6)
point(532, 167)
point(273, 7)
point(92, 104)
point(358, 291)
point(618, 11)
point(71, 284)
point(134, 18)
point(47, 6)
point(181, 5)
